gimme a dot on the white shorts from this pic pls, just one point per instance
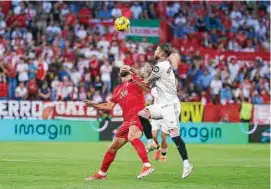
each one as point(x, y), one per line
point(159, 125)
point(169, 114)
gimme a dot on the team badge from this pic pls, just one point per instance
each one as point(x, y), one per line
point(156, 69)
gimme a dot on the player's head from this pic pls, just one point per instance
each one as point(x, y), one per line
point(163, 51)
point(125, 75)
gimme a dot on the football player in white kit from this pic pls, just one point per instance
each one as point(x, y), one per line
point(168, 109)
point(159, 125)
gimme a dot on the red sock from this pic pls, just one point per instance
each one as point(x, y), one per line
point(140, 149)
point(108, 159)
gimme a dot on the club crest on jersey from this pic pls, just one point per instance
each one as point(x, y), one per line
point(156, 69)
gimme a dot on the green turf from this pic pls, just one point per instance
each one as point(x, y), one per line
point(64, 165)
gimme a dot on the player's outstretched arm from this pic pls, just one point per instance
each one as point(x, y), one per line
point(153, 77)
point(104, 106)
point(142, 85)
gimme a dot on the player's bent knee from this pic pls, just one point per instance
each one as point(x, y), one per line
point(113, 148)
point(134, 132)
point(174, 133)
point(132, 137)
point(145, 113)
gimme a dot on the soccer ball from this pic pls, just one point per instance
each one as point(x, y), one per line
point(122, 24)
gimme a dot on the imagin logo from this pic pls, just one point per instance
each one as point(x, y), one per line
point(203, 133)
point(52, 131)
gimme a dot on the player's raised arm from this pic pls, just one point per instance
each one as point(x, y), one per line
point(142, 85)
point(108, 106)
point(153, 76)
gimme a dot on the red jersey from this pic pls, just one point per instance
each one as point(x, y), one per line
point(32, 87)
point(3, 89)
point(130, 98)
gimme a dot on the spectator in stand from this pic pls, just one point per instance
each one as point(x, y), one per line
point(246, 89)
point(234, 68)
point(104, 13)
point(191, 89)
point(94, 67)
point(55, 84)
point(42, 69)
point(99, 85)
point(12, 81)
point(32, 89)
point(212, 21)
point(195, 70)
point(65, 89)
point(173, 8)
point(256, 98)
point(226, 94)
point(216, 86)
point(204, 80)
point(236, 93)
point(63, 72)
point(205, 98)
point(21, 92)
point(243, 73)
point(97, 98)
point(200, 25)
point(74, 93)
point(81, 34)
point(44, 92)
point(265, 96)
point(3, 85)
point(76, 77)
point(32, 70)
point(82, 93)
point(116, 12)
point(22, 70)
point(183, 29)
point(3, 24)
point(105, 71)
point(136, 10)
point(180, 19)
point(114, 49)
point(237, 18)
point(104, 44)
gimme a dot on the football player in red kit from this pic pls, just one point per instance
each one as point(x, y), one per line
point(130, 96)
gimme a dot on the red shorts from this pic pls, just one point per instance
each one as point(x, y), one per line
point(123, 130)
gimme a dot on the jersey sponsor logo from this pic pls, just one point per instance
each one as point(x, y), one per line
point(123, 93)
point(156, 69)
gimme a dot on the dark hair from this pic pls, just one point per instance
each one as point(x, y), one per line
point(124, 73)
point(166, 48)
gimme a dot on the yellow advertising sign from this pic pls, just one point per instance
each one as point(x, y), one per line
point(191, 112)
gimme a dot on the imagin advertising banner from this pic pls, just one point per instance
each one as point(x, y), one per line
point(209, 133)
point(48, 130)
point(214, 133)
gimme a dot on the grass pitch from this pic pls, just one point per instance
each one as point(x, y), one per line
point(64, 165)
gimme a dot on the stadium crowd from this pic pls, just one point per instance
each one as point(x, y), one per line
point(49, 52)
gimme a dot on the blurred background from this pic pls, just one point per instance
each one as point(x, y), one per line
point(55, 54)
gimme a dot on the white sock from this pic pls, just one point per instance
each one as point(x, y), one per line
point(101, 173)
point(186, 163)
point(146, 164)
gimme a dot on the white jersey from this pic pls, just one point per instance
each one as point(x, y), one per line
point(165, 84)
